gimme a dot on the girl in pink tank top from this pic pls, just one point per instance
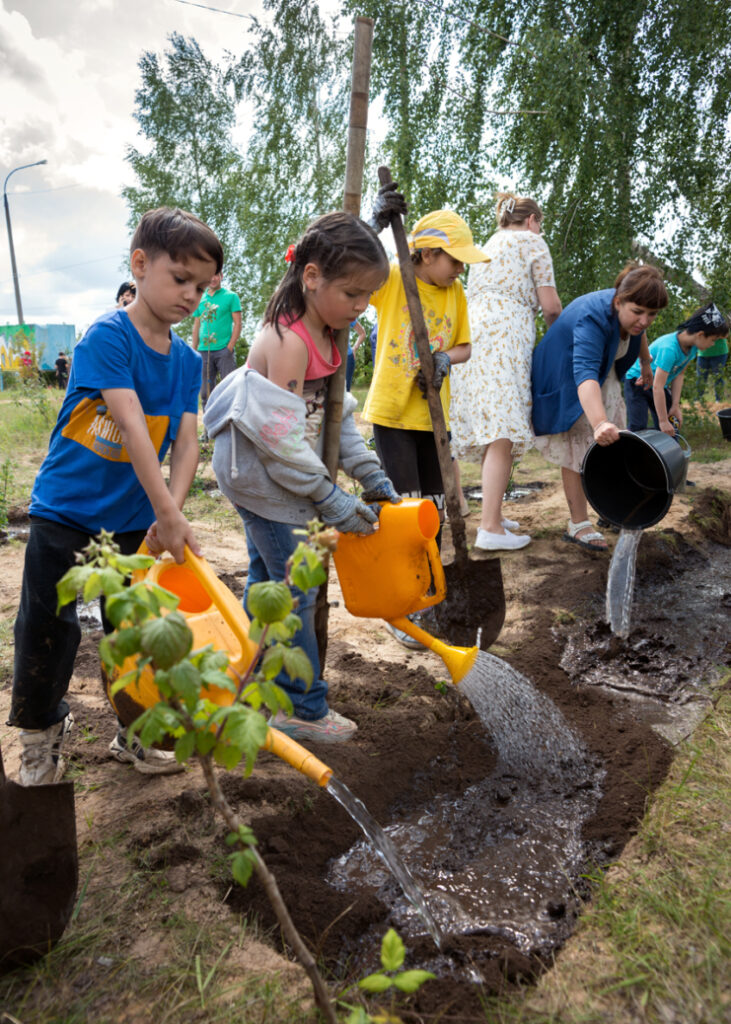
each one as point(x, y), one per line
point(332, 271)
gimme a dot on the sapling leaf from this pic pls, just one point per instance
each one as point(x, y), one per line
point(410, 981)
point(167, 639)
point(269, 601)
point(375, 983)
point(226, 755)
point(184, 747)
point(305, 578)
point(242, 865)
point(125, 643)
point(92, 587)
point(271, 663)
point(205, 742)
point(185, 681)
point(358, 1015)
point(119, 608)
point(71, 584)
point(128, 564)
point(128, 677)
point(112, 582)
point(393, 950)
point(298, 665)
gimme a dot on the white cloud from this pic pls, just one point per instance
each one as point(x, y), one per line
point(68, 74)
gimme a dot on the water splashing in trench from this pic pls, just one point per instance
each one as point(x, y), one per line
point(621, 582)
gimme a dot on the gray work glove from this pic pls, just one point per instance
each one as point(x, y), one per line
point(388, 204)
point(377, 487)
point(346, 512)
point(442, 366)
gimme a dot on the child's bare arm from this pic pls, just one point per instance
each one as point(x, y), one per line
point(172, 528)
point(676, 389)
point(460, 353)
point(658, 397)
point(283, 360)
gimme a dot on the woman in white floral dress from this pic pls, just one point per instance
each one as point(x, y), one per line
point(491, 394)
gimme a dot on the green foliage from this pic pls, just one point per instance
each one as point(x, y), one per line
point(393, 954)
point(6, 484)
point(150, 629)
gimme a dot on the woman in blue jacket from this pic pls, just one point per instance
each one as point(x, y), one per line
point(576, 382)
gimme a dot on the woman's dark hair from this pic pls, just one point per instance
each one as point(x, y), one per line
point(177, 233)
point(709, 319)
point(643, 285)
point(126, 286)
point(338, 243)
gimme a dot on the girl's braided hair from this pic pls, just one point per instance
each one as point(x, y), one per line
point(338, 243)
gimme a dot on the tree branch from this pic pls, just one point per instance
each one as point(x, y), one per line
point(672, 274)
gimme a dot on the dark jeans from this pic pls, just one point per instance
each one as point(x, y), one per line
point(270, 545)
point(215, 364)
point(349, 368)
point(46, 642)
point(410, 459)
point(713, 367)
point(639, 402)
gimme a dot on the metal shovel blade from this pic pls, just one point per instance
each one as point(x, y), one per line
point(39, 868)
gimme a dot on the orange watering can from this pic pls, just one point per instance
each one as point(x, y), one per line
point(215, 616)
point(397, 570)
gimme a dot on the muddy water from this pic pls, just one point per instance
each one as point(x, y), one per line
point(504, 858)
point(671, 655)
point(621, 582)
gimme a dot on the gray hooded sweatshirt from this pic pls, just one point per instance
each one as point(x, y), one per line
point(261, 457)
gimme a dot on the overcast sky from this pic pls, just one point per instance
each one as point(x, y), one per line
point(68, 73)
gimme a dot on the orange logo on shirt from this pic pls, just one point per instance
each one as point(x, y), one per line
point(91, 424)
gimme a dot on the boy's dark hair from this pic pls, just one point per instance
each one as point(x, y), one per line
point(709, 319)
point(126, 286)
point(417, 258)
point(177, 233)
point(338, 243)
point(642, 285)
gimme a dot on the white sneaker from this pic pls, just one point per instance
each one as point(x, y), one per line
point(509, 524)
point(500, 541)
point(147, 760)
point(40, 759)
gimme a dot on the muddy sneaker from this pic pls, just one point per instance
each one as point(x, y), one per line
point(40, 760)
point(147, 760)
point(332, 728)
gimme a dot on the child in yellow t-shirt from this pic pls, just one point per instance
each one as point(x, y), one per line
point(441, 244)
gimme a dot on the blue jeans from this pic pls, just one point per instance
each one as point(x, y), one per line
point(270, 545)
point(639, 402)
point(349, 368)
point(711, 366)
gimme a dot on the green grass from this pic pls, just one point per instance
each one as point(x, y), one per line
point(655, 943)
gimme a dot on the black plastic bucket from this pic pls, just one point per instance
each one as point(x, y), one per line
point(632, 482)
point(724, 418)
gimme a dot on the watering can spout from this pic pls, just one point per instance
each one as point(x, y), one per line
point(459, 660)
point(296, 756)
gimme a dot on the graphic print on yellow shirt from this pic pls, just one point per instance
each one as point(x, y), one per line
point(90, 424)
point(394, 400)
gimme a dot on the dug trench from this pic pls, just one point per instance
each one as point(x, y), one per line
point(418, 741)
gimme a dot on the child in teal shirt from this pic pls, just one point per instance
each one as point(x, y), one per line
point(670, 356)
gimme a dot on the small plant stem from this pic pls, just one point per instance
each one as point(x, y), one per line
point(274, 896)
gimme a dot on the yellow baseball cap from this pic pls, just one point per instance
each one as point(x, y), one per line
point(443, 229)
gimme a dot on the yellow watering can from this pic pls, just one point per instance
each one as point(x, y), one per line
point(215, 616)
point(397, 570)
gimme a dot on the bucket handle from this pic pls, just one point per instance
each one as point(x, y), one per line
point(219, 594)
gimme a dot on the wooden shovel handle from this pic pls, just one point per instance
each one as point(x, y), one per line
point(421, 335)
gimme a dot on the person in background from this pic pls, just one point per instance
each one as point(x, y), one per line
point(491, 394)
point(126, 294)
point(132, 397)
point(670, 355)
point(62, 370)
point(216, 329)
point(712, 363)
point(577, 370)
point(359, 329)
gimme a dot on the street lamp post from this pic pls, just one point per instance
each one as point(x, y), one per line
point(18, 304)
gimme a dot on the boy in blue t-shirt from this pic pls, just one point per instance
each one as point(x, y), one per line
point(132, 395)
point(670, 356)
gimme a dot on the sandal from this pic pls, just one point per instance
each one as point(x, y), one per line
point(584, 542)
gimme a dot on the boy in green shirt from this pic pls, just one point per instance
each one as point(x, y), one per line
point(216, 330)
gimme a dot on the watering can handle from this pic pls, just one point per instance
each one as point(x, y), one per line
point(235, 618)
